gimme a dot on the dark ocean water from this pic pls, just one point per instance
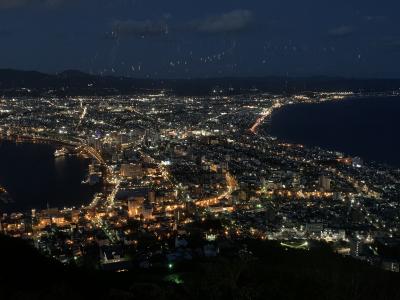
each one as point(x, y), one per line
point(368, 127)
point(33, 177)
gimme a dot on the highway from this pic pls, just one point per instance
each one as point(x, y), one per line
point(264, 115)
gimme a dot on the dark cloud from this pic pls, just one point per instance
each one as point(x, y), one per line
point(68, 33)
point(232, 21)
point(5, 32)
point(391, 44)
point(8, 4)
point(139, 28)
point(342, 31)
point(375, 18)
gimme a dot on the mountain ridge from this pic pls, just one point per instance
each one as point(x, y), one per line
point(70, 82)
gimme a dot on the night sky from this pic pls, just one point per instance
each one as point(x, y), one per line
point(207, 38)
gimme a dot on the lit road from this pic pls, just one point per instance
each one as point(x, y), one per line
point(84, 112)
point(111, 234)
point(112, 195)
point(91, 151)
point(231, 187)
point(264, 115)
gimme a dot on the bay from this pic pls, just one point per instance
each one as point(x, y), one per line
point(35, 179)
point(365, 127)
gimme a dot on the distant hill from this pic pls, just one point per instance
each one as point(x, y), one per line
point(269, 272)
point(72, 82)
point(68, 82)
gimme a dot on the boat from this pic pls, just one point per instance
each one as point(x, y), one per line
point(61, 152)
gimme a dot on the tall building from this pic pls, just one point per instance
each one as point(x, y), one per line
point(355, 247)
point(146, 211)
point(324, 183)
point(152, 196)
point(134, 206)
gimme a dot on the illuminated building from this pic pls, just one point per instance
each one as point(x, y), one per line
point(131, 170)
point(135, 205)
point(324, 183)
point(152, 196)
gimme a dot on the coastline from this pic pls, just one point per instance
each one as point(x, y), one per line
point(295, 132)
point(76, 196)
